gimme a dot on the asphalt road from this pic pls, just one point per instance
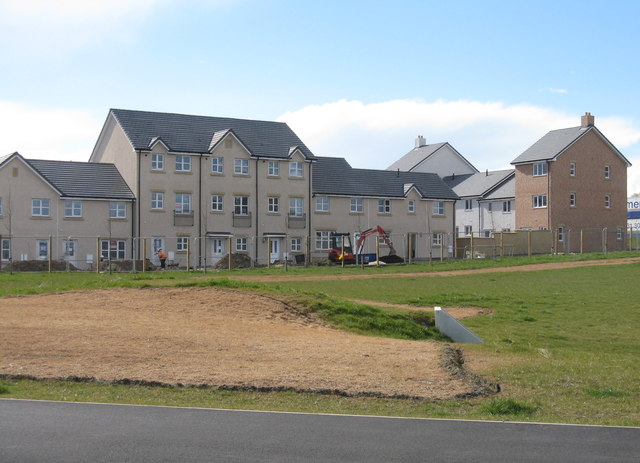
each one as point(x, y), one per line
point(34, 431)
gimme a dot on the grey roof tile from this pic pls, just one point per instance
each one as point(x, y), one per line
point(336, 176)
point(478, 184)
point(195, 134)
point(550, 145)
point(415, 157)
point(83, 179)
point(507, 190)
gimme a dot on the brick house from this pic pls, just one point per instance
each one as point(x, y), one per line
point(573, 179)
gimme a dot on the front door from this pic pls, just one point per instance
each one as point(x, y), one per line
point(274, 251)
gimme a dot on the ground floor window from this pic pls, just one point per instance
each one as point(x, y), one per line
point(5, 249)
point(296, 244)
point(158, 243)
point(468, 230)
point(113, 249)
point(436, 239)
point(561, 234)
point(70, 247)
point(322, 240)
point(182, 243)
point(241, 244)
point(619, 233)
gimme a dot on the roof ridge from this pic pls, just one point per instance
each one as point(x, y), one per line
point(195, 115)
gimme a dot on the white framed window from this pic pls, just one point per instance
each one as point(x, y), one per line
point(506, 207)
point(607, 171)
point(40, 207)
point(322, 204)
point(607, 201)
point(468, 204)
point(411, 206)
point(183, 163)
point(217, 165)
point(436, 239)
point(241, 205)
point(486, 233)
point(295, 207)
point(157, 200)
point(572, 169)
point(438, 208)
point(539, 201)
point(5, 249)
point(561, 234)
point(113, 249)
point(572, 200)
point(322, 240)
point(356, 206)
point(157, 161)
point(296, 244)
point(295, 169)
point(468, 230)
point(241, 166)
point(182, 243)
point(273, 204)
point(619, 233)
point(217, 246)
point(241, 245)
point(72, 208)
point(1, 207)
point(42, 250)
point(273, 169)
point(384, 206)
point(117, 210)
point(217, 203)
point(539, 169)
point(183, 203)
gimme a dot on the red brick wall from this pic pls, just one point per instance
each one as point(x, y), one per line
point(526, 187)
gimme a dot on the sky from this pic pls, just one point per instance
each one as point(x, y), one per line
point(355, 79)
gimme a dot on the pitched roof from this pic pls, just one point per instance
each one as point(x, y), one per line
point(417, 155)
point(79, 179)
point(196, 134)
point(556, 141)
point(336, 176)
point(478, 184)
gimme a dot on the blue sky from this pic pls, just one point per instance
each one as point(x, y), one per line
point(353, 78)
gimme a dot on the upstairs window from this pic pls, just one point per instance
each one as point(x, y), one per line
point(217, 165)
point(295, 207)
point(572, 169)
point(539, 169)
point(607, 172)
point(273, 205)
point(157, 200)
point(273, 169)
point(438, 208)
point(411, 206)
point(157, 161)
point(40, 207)
point(384, 206)
point(295, 169)
point(468, 204)
point(241, 166)
point(506, 206)
point(607, 201)
point(117, 210)
point(183, 164)
point(217, 203)
point(355, 205)
point(322, 204)
point(572, 200)
point(241, 205)
point(539, 201)
point(72, 208)
point(183, 203)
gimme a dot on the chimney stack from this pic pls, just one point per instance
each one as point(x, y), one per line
point(587, 120)
point(420, 141)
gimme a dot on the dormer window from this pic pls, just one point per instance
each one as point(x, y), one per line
point(539, 169)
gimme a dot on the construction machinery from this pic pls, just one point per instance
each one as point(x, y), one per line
point(392, 257)
point(336, 252)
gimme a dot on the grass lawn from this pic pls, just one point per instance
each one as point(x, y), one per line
point(563, 344)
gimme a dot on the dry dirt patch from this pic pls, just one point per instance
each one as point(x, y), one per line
point(209, 336)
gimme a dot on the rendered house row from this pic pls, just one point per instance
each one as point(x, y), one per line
point(200, 187)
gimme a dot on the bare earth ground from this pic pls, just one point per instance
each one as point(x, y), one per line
point(209, 336)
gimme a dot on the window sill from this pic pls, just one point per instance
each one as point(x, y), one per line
point(76, 219)
point(39, 217)
point(157, 210)
point(118, 219)
point(356, 213)
point(216, 174)
point(323, 212)
point(295, 178)
point(216, 212)
point(183, 172)
point(158, 171)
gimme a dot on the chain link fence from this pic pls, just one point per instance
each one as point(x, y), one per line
point(210, 253)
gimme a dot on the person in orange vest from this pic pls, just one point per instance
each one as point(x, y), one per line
point(163, 257)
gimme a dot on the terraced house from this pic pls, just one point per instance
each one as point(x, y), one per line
point(77, 212)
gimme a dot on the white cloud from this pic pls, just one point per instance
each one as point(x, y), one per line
point(489, 134)
point(42, 133)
